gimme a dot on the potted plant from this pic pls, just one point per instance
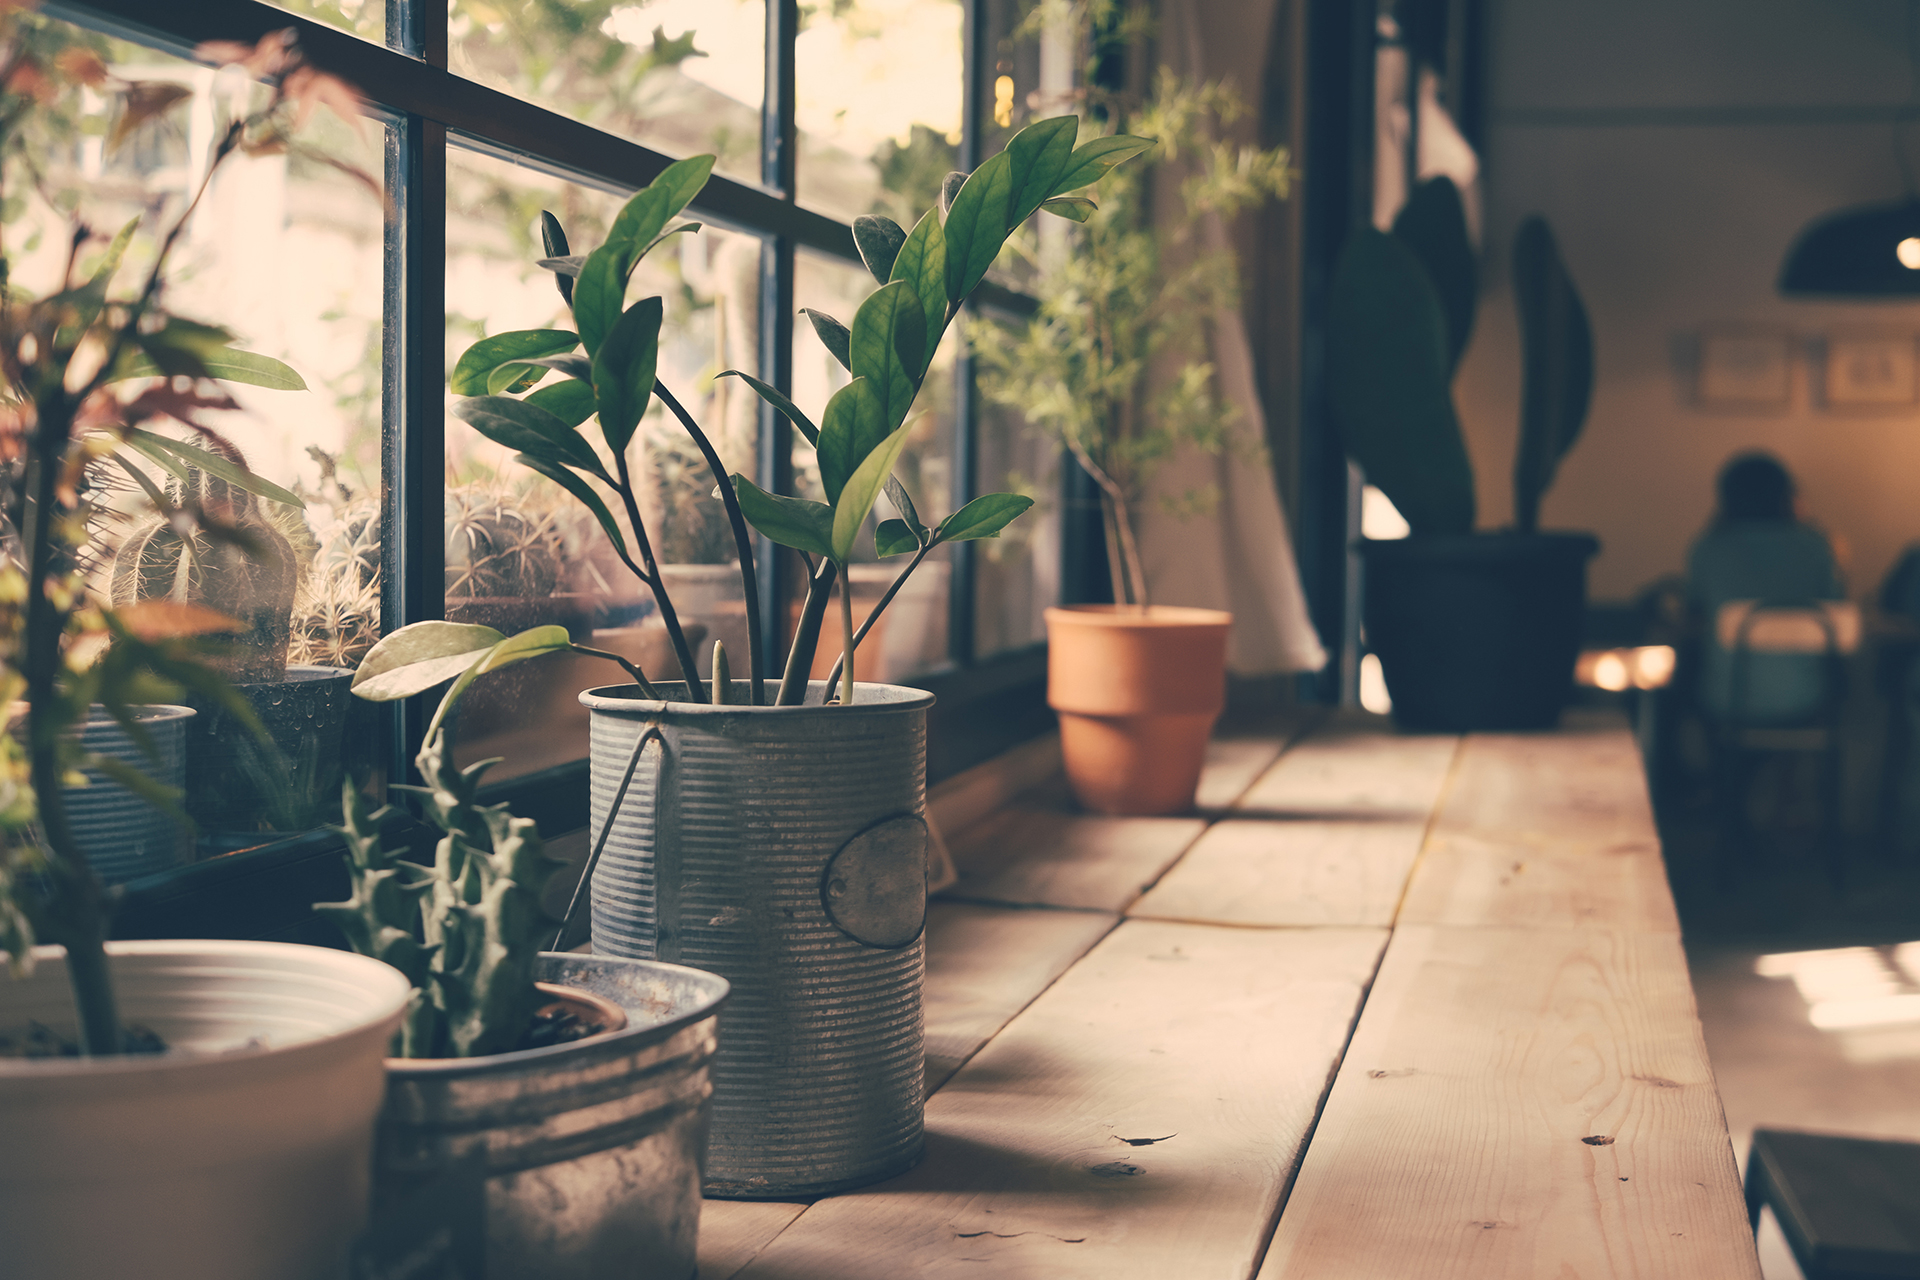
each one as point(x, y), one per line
point(779, 837)
point(1113, 367)
point(1475, 631)
point(217, 1096)
point(552, 1071)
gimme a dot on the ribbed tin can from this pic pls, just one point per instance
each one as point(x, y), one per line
point(590, 1150)
point(121, 833)
point(784, 848)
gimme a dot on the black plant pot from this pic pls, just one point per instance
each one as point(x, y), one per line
point(1477, 631)
point(239, 785)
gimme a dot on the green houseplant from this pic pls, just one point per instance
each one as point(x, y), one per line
point(1114, 368)
point(1473, 630)
point(741, 796)
point(244, 1144)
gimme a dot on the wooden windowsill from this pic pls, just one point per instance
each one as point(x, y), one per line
point(1384, 1007)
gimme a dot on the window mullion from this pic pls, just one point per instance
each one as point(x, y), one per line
point(962, 559)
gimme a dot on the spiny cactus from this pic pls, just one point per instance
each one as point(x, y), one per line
point(350, 549)
point(494, 550)
point(233, 561)
point(693, 527)
point(465, 932)
point(335, 622)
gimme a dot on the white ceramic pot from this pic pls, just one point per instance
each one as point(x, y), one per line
point(243, 1154)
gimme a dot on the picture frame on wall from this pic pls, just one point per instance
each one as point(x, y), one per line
point(1869, 371)
point(1744, 368)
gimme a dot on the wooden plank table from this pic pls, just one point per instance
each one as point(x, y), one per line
point(1387, 1007)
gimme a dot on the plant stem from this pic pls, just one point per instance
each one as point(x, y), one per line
point(893, 589)
point(696, 692)
point(639, 677)
point(1120, 523)
point(846, 630)
point(742, 540)
point(806, 637)
point(81, 906)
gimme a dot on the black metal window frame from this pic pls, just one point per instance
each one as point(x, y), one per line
point(984, 705)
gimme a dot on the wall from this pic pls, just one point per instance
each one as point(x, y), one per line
point(1677, 147)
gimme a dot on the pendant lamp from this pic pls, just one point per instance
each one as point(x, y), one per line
point(1870, 251)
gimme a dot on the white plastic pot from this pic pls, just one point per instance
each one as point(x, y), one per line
point(243, 1154)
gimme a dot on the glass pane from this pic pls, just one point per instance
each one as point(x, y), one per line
point(285, 252)
point(878, 85)
point(520, 550)
point(912, 635)
point(683, 76)
point(364, 18)
point(1016, 575)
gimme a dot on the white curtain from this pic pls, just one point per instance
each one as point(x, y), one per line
point(1239, 558)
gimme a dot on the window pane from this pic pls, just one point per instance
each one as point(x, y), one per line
point(364, 18)
point(683, 76)
point(1017, 575)
point(520, 550)
point(878, 88)
point(285, 252)
point(912, 635)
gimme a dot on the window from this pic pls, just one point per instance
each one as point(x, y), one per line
point(489, 112)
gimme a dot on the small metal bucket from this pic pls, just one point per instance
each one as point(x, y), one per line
point(784, 848)
point(592, 1150)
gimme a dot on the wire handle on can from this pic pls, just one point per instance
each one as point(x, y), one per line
point(580, 890)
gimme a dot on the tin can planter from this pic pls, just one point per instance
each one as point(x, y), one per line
point(124, 836)
point(591, 1151)
point(1137, 692)
point(241, 1153)
point(784, 848)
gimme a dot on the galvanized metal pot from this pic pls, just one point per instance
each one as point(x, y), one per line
point(592, 1149)
point(784, 848)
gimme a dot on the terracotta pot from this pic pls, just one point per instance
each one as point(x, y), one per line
point(1137, 693)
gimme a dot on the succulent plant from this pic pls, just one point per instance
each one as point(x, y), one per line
point(496, 550)
point(234, 561)
point(336, 618)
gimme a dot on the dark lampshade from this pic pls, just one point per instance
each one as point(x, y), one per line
point(1868, 251)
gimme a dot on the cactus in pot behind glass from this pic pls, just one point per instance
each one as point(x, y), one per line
point(236, 563)
point(495, 550)
point(925, 276)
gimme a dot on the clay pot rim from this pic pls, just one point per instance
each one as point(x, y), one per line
point(612, 1016)
point(1129, 616)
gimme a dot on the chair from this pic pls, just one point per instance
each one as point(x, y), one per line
point(1849, 1207)
point(1790, 713)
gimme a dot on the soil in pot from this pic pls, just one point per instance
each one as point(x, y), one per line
point(1137, 692)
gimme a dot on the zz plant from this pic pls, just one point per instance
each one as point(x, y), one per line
point(608, 366)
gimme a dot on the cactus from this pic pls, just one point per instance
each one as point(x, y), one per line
point(494, 550)
point(336, 620)
point(235, 561)
point(693, 527)
point(466, 931)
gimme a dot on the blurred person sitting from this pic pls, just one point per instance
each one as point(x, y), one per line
point(1757, 549)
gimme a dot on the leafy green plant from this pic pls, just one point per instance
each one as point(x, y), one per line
point(1132, 303)
point(608, 362)
point(1402, 309)
point(81, 369)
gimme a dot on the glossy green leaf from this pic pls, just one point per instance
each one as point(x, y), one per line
point(570, 401)
point(249, 368)
point(878, 239)
point(417, 657)
point(553, 238)
point(511, 379)
point(641, 219)
point(984, 517)
point(833, 335)
point(889, 334)
point(1073, 208)
point(922, 264)
point(580, 489)
point(600, 294)
point(181, 347)
point(483, 357)
point(780, 402)
point(854, 423)
point(893, 538)
point(211, 463)
point(623, 372)
point(791, 522)
point(532, 643)
point(1037, 156)
point(903, 503)
point(525, 426)
point(682, 181)
point(567, 266)
point(1092, 160)
point(977, 225)
point(863, 490)
point(573, 364)
point(949, 188)
point(654, 243)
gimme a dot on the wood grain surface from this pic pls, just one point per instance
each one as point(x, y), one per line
point(1526, 1104)
point(1036, 854)
point(733, 1231)
point(1354, 768)
point(1141, 1118)
point(1289, 872)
